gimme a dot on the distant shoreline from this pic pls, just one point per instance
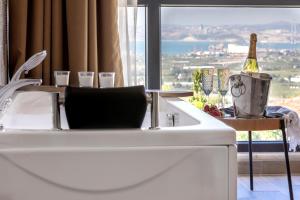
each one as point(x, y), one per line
point(176, 47)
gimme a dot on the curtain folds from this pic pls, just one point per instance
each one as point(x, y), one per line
point(3, 42)
point(127, 33)
point(79, 35)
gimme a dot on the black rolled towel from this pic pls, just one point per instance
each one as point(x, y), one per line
point(105, 108)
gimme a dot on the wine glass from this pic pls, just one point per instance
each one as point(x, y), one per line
point(207, 80)
point(223, 77)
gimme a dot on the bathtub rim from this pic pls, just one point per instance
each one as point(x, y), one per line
point(209, 131)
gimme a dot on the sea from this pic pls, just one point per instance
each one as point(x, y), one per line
point(169, 47)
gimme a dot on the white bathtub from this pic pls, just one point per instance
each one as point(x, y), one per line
point(194, 160)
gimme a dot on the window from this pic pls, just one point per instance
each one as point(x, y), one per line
point(193, 33)
point(199, 36)
point(140, 46)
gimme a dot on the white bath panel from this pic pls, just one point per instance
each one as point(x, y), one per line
point(137, 173)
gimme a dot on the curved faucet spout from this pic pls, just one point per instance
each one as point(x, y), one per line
point(8, 90)
point(31, 63)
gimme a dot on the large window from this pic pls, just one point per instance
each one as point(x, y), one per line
point(214, 36)
point(197, 36)
point(141, 46)
point(190, 34)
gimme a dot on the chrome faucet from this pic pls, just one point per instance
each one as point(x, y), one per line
point(30, 64)
point(153, 100)
point(15, 83)
point(8, 90)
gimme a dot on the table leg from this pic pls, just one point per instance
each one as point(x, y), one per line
point(250, 159)
point(287, 162)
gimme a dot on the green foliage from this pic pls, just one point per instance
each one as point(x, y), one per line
point(198, 101)
point(284, 90)
point(166, 87)
point(196, 76)
point(260, 136)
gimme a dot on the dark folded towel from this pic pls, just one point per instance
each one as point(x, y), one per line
point(109, 108)
point(270, 111)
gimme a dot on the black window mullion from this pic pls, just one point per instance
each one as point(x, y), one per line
point(153, 45)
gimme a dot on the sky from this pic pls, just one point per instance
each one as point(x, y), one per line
point(228, 16)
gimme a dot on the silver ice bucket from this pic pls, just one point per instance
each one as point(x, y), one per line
point(250, 93)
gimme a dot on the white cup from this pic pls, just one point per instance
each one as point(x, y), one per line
point(106, 79)
point(61, 78)
point(86, 79)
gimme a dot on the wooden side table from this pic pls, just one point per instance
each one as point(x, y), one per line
point(262, 124)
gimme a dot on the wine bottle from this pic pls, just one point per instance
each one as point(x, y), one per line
point(250, 64)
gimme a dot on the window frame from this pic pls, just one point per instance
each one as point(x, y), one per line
point(153, 26)
point(153, 42)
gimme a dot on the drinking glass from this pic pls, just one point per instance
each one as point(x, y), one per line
point(86, 79)
point(106, 79)
point(223, 77)
point(207, 80)
point(61, 78)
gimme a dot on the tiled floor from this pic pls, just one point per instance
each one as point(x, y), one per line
point(267, 187)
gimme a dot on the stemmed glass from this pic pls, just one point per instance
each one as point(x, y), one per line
point(223, 77)
point(207, 80)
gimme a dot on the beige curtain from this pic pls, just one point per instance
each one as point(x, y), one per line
point(3, 42)
point(79, 35)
